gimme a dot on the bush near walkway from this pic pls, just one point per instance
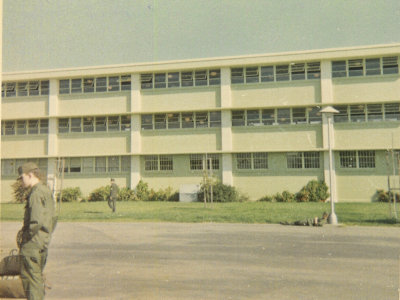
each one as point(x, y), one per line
point(313, 191)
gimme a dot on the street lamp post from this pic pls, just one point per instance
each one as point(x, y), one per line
point(328, 112)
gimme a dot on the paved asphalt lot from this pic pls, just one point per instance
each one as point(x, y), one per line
point(219, 261)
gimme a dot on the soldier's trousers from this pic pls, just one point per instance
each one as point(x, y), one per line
point(32, 266)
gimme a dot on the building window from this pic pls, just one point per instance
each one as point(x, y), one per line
point(63, 125)
point(314, 70)
point(64, 86)
point(366, 159)
point(125, 123)
point(160, 80)
point(113, 123)
point(101, 84)
point(267, 73)
point(173, 121)
point(173, 80)
point(147, 122)
point(339, 69)
point(342, 116)
point(214, 77)
point(311, 160)
point(392, 111)
point(87, 165)
point(252, 161)
point(357, 113)
point(88, 85)
point(298, 71)
point(22, 89)
point(357, 159)
point(282, 73)
point(252, 75)
point(201, 119)
point(237, 75)
point(101, 124)
point(373, 66)
point(158, 163)
point(88, 124)
point(113, 163)
point(355, 67)
point(100, 164)
point(160, 121)
point(76, 124)
point(146, 81)
point(125, 82)
point(238, 118)
point(299, 115)
point(215, 119)
point(303, 160)
point(76, 86)
point(253, 117)
point(374, 112)
point(166, 163)
point(44, 126)
point(151, 163)
point(243, 161)
point(187, 79)
point(294, 160)
point(260, 160)
point(283, 116)
point(11, 89)
point(21, 127)
point(390, 65)
point(125, 163)
point(197, 161)
point(268, 116)
point(187, 120)
point(33, 126)
point(201, 78)
point(314, 115)
point(75, 165)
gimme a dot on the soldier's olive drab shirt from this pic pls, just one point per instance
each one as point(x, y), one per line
point(114, 191)
point(39, 219)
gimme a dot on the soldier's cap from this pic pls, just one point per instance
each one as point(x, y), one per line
point(26, 168)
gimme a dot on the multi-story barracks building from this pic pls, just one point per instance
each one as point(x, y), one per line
point(257, 118)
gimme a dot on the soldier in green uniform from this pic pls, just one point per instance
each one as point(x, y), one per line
point(35, 235)
point(112, 200)
point(310, 222)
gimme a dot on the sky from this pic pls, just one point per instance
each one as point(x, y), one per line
point(54, 34)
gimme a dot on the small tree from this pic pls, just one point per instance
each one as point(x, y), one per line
point(72, 194)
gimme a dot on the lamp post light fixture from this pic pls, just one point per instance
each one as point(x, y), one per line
point(329, 111)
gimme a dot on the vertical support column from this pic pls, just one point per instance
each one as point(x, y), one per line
point(135, 143)
point(327, 98)
point(226, 126)
point(52, 142)
point(135, 171)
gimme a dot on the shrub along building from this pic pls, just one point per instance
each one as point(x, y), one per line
point(256, 118)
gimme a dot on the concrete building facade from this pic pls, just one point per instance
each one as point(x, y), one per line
point(256, 117)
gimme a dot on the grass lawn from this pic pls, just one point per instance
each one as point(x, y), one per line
point(247, 212)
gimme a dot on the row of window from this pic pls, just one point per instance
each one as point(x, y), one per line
point(244, 161)
point(23, 127)
point(25, 88)
point(10, 166)
point(201, 119)
point(94, 124)
point(95, 84)
point(180, 79)
point(284, 72)
point(275, 116)
point(365, 67)
point(367, 113)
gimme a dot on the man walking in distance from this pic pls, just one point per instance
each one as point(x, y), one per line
point(112, 200)
point(34, 237)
